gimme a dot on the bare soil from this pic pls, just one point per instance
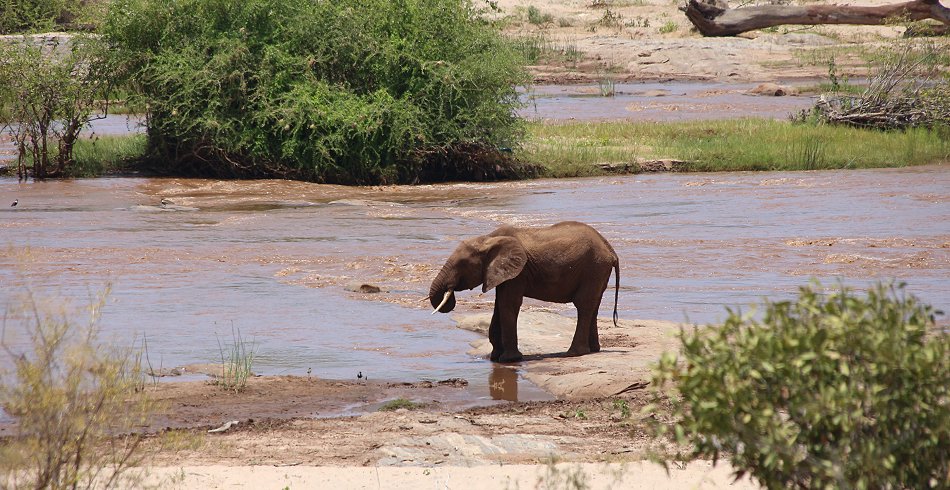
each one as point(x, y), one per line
point(632, 40)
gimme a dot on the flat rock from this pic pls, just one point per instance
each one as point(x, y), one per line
point(773, 89)
point(797, 39)
point(628, 352)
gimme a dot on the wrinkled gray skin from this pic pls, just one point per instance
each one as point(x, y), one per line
point(565, 263)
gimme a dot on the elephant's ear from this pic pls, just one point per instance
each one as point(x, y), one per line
point(505, 257)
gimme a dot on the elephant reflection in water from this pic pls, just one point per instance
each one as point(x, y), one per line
point(503, 384)
point(569, 262)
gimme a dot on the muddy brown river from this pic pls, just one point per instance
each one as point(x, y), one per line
point(272, 259)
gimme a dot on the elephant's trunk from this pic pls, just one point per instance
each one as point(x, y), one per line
point(441, 293)
point(445, 299)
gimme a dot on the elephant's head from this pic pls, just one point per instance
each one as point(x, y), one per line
point(485, 260)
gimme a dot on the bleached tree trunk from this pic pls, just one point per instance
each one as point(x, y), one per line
point(713, 18)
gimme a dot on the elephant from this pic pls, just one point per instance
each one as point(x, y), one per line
point(569, 262)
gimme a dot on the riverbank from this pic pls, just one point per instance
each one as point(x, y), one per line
point(593, 434)
point(566, 148)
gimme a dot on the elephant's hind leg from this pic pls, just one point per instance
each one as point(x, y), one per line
point(586, 337)
point(593, 338)
point(586, 316)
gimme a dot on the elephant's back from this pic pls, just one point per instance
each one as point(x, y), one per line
point(572, 238)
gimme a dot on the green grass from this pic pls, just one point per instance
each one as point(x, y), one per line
point(575, 148)
point(106, 154)
point(398, 403)
point(828, 88)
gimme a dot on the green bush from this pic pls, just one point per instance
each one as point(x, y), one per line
point(353, 91)
point(829, 391)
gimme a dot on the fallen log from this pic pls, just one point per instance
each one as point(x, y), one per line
point(713, 18)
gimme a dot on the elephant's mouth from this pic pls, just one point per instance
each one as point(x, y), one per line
point(445, 306)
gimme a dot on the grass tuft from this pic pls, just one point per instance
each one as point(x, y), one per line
point(237, 359)
point(399, 403)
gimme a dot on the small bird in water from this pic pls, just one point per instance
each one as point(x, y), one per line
point(166, 202)
point(15, 202)
point(359, 375)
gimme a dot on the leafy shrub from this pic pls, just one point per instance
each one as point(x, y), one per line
point(50, 94)
point(835, 391)
point(353, 91)
point(75, 403)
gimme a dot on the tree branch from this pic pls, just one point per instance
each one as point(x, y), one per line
point(714, 20)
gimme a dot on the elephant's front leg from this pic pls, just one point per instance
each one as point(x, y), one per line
point(494, 336)
point(508, 299)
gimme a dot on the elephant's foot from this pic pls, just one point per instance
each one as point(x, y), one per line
point(509, 356)
point(595, 347)
point(495, 355)
point(579, 351)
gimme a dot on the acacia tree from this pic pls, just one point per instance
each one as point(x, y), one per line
point(51, 93)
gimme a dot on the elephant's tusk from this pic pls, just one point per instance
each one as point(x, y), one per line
point(445, 299)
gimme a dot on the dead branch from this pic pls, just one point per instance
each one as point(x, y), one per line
point(713, 18)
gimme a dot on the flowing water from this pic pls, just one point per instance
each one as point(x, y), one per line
point(658, 101)
point(271, 262)
point(272, 259)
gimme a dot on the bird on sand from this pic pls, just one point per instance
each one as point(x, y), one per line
point(15, 202)
point(166, 202)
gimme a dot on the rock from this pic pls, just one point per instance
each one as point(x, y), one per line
point(363, 287)
point(163, 372)
point(797, 39)
point(773, 89)
point(543, 337)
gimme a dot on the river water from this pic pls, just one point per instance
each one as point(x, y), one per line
point(271, 259)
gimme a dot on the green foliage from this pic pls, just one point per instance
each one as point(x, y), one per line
point(49, 95)
point(75, 402)
point(833, 390)
point(536, 17)
point(623, 406)
point(353, 91)
point(36, 15)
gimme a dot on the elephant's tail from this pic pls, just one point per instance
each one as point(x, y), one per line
point(616, 288)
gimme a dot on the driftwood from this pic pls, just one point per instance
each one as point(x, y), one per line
point(899, 96)
point(714, 18)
